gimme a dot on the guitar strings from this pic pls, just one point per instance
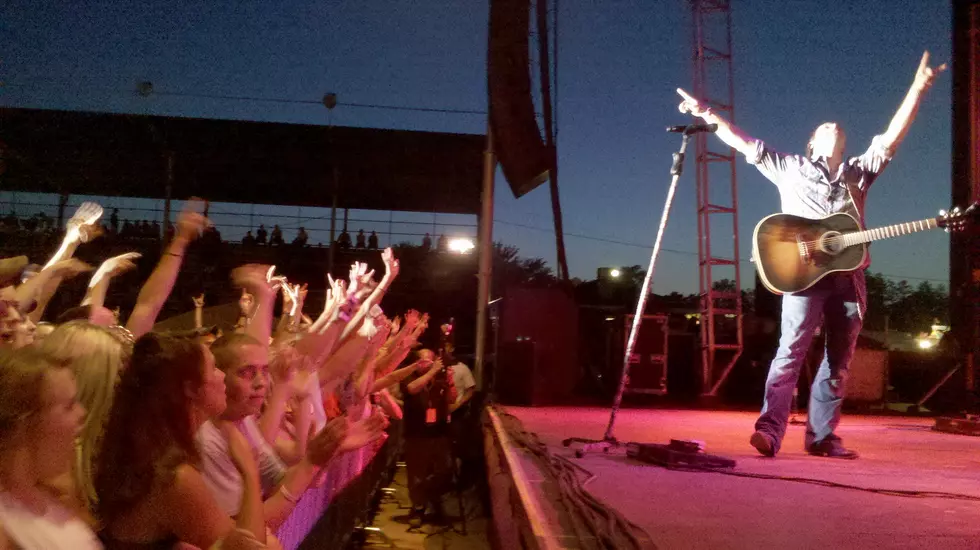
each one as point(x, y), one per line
point(837, 239)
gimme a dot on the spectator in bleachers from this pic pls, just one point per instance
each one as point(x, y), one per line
point(344, 241)
point(30, 224)
point(248, 239)
point(360, 238)
point(211, 236)
point(426, 243)
point(276, 238)
point(11, 222)
point(373, 241)
point(443, 245)
point(301, 237)
point(128, 231)
point(261, 235)
point(45, 222)
point(114, 221)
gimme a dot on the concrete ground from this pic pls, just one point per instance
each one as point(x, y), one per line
point(693, 510)
point(392, 519)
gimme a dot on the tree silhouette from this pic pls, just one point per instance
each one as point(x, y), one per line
point(509, 269)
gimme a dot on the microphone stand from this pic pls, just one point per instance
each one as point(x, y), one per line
point(609, 440)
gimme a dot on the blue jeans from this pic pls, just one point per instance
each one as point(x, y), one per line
point(838, 301)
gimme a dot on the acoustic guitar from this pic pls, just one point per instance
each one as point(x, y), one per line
point(792, 253)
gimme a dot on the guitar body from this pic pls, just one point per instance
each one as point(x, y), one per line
point(793, 253)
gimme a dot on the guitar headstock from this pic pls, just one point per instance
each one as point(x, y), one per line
point(957, 219)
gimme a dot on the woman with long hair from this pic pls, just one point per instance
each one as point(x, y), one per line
point(97, 357)
point(150, 492)
point(39, 420)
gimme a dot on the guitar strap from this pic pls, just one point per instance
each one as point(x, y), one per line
point(860, 290)
point(851, 207)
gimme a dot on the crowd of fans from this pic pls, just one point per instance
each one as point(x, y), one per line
point(114, 435)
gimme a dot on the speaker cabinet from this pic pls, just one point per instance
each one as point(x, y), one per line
point(524, 158)
point(964, 272)
point(538, 347)
point(648, 362)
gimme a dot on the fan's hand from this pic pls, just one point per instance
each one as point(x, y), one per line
point(116, 265)
point(191, 223)
point(82, 223)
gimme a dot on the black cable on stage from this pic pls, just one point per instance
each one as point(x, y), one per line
point(832, 484)
point(592, 520)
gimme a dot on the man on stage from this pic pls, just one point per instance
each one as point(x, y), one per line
point(815, 185)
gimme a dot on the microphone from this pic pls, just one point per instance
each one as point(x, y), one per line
point(693, 128)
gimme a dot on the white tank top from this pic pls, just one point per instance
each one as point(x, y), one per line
point(55, 529)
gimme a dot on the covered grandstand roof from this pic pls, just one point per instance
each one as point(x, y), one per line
point(239, 161)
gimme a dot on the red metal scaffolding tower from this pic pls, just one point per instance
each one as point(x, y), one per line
point(717, 202)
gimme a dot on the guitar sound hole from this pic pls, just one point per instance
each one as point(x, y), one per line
point(830, 243)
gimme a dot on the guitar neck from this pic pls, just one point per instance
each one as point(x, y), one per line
point(889, 231)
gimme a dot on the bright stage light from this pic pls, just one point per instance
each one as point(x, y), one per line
point(615, 273)
point(925, 343)
point(461, 246)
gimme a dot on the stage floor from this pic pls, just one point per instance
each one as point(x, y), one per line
point(709, 510)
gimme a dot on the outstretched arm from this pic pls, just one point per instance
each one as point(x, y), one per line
point(899, 126)
point(99, 284)
point(727, 132)
point(157, 288)
point(81, 228)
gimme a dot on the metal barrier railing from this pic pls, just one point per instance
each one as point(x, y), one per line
point(233, 221)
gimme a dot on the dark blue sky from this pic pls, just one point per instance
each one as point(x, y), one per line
point(797, 64)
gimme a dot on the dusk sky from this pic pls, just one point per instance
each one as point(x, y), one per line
point(797, 64)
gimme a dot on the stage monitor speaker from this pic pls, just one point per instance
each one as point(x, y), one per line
point(538, 348)
point(524, 157)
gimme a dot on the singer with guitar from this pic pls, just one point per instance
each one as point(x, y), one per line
point(814, 185)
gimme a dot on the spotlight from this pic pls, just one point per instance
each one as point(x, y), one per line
point(461, 245)
point(926, 343)
point(615, 273)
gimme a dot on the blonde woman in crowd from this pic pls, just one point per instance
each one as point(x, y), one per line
point(39, 420)
point(97, 357)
